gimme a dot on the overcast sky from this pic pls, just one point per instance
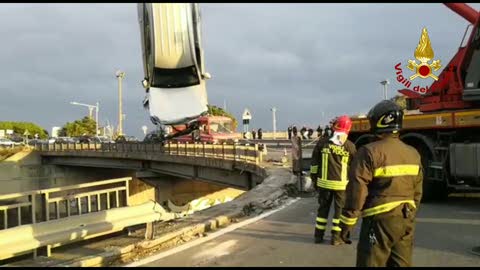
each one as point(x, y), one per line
point(307, 60)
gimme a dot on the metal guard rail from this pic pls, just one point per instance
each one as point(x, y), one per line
point(34, 206)
point(243, 153)
point(17, 202)
point(27, 238)
point(36, 227)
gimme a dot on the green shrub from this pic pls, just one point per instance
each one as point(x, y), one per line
point(217, 111)
point(20, 127)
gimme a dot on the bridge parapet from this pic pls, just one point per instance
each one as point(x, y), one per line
point(238, 166)
point(242, 153)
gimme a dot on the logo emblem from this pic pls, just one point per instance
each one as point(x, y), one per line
point(389, 119)
point(424, 53)
point(423, 66)
point(385, 120)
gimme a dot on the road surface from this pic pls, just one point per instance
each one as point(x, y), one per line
point(446, 233)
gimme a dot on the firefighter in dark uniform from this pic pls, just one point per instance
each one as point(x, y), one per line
point(328, 170)
point(327, 132)
point(319, 131)
point(385, 188)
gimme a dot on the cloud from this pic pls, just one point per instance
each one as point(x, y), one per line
point(308, 60)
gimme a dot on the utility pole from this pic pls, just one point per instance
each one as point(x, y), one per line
point(90, 112)
point(96, 121)
point(120, 75)
point(384, 83)
point(274, 122)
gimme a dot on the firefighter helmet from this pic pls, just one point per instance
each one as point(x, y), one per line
point(385, 117)
point(342, 124)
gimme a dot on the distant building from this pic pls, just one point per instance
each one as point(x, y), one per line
point(55, 131)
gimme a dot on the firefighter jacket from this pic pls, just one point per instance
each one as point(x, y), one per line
point(330, 163)
point(383, 175)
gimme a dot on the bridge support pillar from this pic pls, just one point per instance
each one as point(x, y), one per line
point(140, 192)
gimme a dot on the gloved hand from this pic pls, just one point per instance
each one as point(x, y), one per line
point(345, 233)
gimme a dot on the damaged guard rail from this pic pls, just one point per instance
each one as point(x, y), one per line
point(80, 212)
point(23, 239)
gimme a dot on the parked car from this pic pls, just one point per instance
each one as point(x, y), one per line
point(65, 140)
point(16, 138)
point(37, 141)
point(126, 139)
point(131, 139)
point(104, 139)
point(156, 136)
point(7, 142)
point(85, 139)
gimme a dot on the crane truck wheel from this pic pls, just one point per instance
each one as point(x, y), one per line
point(432, 190)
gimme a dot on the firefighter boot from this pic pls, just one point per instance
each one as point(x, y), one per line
point(318, 239)
point(318, 236)
point(336, 239)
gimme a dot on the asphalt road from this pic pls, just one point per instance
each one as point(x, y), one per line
point(446, 233)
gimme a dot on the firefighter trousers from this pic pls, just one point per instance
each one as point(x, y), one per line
point(386, 240)
point(325, 198)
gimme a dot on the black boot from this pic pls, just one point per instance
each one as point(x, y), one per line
point(318, 236)
point(318, 239)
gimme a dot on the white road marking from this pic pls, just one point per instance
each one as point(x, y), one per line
point(209, 237)
point(449, 221)
point(216, 250)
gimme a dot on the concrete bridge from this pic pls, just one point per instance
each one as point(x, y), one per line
point(236, 166)
point(157, 181)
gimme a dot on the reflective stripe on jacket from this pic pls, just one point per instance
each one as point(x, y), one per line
point(383, 175)
point(330, 164)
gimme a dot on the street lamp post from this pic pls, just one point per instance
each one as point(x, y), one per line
point(90, 110)
point(120, 75)
point(384, 83)
point(274, 122)
point(96, 117)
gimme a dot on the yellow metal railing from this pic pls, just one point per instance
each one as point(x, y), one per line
point(85, 198)
point(236, 152)
point(44, 236)
point(78, 200)
point(21, 208)
point(14, 204)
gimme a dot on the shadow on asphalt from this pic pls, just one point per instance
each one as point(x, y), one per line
point(450, 226)
point(272, 235)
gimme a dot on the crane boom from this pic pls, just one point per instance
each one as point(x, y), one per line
point(464, 10)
